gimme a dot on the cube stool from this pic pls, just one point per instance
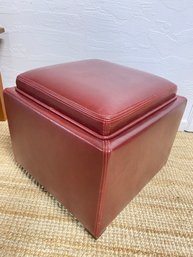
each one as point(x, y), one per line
point(93, 133)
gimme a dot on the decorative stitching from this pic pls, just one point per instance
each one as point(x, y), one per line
point(88, 112)
point(116, 133)
point(35, 108)
point(106, 147)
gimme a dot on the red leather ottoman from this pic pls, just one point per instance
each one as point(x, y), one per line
point(92, 133)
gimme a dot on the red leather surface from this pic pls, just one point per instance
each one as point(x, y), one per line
point(102, 96)
point(94, 178)
point(136, 157)
point(60, 156)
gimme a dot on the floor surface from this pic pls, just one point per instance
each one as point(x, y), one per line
point(158, 222)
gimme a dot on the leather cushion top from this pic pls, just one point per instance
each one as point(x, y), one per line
point(101, 96)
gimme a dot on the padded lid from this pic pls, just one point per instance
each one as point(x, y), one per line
point(98, 95)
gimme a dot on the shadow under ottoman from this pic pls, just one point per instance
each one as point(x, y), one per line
point(92, 133)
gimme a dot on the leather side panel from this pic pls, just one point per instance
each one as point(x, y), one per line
point(68, 165)
point(137, 156)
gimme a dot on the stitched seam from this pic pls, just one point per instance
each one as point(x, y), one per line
point(104, 127)
point(135, 107)
point(48, 92)
point(44, 115)
point(107, 124)
point(117, 132)
point(85, 110)
point(53, 95)
point(65, 103)
point(102, 188)
point(65, 117)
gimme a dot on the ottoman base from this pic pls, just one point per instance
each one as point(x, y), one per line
point(94, 178)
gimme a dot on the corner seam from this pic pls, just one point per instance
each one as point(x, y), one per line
point(106, 147)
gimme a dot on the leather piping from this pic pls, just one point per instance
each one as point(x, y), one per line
point(79, 107)
point(106, 149)
point(44, 114)
point(103, 137)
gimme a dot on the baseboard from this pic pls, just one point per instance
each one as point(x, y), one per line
point(183, 125)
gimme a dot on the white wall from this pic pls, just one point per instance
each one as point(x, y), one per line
point(152, 35)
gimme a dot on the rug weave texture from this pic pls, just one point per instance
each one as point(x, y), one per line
point(158, 222)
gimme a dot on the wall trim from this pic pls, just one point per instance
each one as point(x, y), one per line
point(183, 125)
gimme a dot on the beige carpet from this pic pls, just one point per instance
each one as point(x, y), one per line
point(158, 222)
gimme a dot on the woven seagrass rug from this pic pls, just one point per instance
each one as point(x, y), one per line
point(158, 222)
